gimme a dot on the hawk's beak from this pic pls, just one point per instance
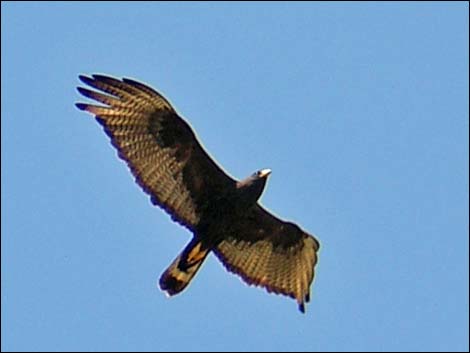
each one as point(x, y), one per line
point(264, 173)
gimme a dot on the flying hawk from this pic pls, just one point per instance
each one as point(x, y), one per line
point(223, 214)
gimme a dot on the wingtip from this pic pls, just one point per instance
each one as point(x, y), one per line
point(82, 90)
point(85, 79)
point(99, 77)
point(81, 106)
point(105, 79)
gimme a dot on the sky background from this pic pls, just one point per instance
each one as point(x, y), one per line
point(360, 109)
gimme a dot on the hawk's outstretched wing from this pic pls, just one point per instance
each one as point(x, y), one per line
point(271, 253)
point(159, 147)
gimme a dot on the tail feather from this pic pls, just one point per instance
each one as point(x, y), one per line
point(178, 275)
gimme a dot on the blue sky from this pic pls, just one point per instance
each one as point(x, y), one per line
point(360, 109)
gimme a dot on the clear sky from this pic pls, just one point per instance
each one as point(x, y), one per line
point(360, 109)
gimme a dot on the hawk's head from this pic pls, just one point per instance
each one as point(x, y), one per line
point(261, 174)
point(252, 187)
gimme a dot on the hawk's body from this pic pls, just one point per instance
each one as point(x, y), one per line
point(224, 216)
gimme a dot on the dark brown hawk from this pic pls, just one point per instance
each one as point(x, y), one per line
point(223, 214)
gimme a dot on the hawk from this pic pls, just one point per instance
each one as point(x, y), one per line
point(223, 214)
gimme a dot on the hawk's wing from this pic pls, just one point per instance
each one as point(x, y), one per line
point(268, 252)
point(159, 147)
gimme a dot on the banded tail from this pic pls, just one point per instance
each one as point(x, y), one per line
point(178, 275)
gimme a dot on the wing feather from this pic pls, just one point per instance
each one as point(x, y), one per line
point(268, 252)
point(158, 146)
